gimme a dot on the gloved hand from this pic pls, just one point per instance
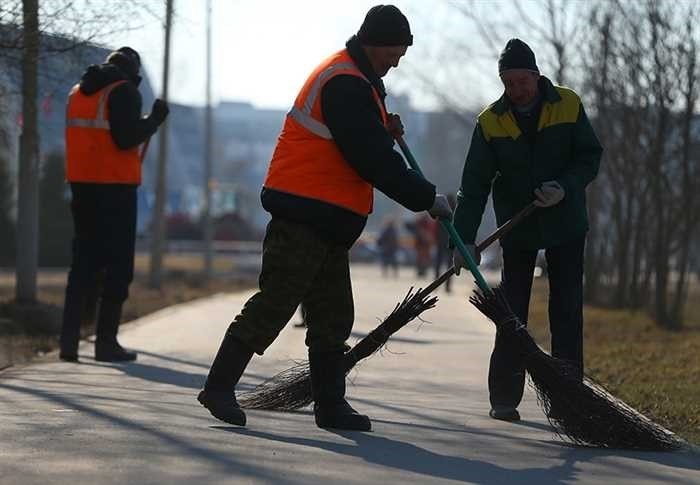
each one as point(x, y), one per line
point(549, 194)
point(458, 261)
point(441, 208)
point(159, 111)
point(394, 125)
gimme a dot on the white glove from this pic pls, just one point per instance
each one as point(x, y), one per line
point(441, 208)
point(549, 194)
point(458, 261)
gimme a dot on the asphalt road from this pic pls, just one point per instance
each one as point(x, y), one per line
point(140, 423)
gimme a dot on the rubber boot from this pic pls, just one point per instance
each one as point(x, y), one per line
point(218, 395)
point(107, 348)
point(70, 329)
point(331, 410)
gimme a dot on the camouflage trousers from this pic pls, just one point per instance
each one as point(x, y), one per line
point(298, 267)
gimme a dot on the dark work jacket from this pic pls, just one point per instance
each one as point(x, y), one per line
point(563, 148)
point(127, 127)
point(354, 120)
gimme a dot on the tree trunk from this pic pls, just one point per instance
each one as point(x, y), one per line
point(207, 219)
point(680, 292)
point(158, 216)
point(28, 173)
point(639, 255)
point(593, 242)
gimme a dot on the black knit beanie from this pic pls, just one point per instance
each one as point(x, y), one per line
point(126, 59)
point(385, 25)
point(517, 55)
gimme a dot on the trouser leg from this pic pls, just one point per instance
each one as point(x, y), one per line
point(506, 370)
point(565, 270)
point(85, 263)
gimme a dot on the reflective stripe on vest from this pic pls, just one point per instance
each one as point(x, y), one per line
point(306, 161)
point(303, 115)
point(100, 122)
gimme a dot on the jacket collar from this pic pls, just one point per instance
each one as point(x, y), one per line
point(549, 95)
point(360, 58)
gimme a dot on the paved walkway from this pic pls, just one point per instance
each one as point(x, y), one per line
point(139, 423)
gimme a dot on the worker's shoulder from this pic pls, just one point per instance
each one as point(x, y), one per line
point(567, 94)
point(125, 92)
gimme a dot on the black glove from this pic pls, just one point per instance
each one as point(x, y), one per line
point(159, 111)
point(441, 208)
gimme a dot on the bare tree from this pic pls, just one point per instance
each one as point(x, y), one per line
point(158, 217)
point(28, 200)
point(208, 140)
point(689, 147)
point(644, 74)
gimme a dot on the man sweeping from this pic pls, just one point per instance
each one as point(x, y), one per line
point(335, 147)
point(535, 142)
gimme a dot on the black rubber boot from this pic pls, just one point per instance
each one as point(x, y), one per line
point(70, 329)
point(218, 395)
point(107, 348)
point(328, 389)
point(504, 413)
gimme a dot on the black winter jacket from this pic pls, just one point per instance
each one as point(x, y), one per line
point(127, 127)
point(354, 120)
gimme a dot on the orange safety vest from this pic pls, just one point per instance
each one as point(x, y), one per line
point(306, 161)
point(91, 154)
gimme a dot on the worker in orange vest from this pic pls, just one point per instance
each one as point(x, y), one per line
point(105, 138)
point(336, 146)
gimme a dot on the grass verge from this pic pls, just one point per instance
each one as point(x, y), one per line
point(654, 370)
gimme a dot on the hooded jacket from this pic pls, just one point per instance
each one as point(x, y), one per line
point(127, 126)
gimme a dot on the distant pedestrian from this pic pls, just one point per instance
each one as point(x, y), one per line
point(388, 244)
point(336, 146)
point(535, 142)
point(422, 228)
point(105, 134)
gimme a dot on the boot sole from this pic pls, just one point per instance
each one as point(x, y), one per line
point(237, 419)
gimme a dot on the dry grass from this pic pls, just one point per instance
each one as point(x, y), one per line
point(652, 369)
point(36, 330)
point(190, 263)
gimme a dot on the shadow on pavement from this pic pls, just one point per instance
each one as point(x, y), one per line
point(185, 446)
point(411, 458)
point(161, 375)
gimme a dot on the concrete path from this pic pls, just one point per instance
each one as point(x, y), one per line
point(139, 423)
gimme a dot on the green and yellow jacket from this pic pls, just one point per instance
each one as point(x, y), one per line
point(564, 149)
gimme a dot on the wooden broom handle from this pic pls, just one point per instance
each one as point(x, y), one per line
point(497, 234)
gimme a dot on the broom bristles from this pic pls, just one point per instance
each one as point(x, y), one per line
point(286, 391)
point(577, 408)
point(291, 389)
